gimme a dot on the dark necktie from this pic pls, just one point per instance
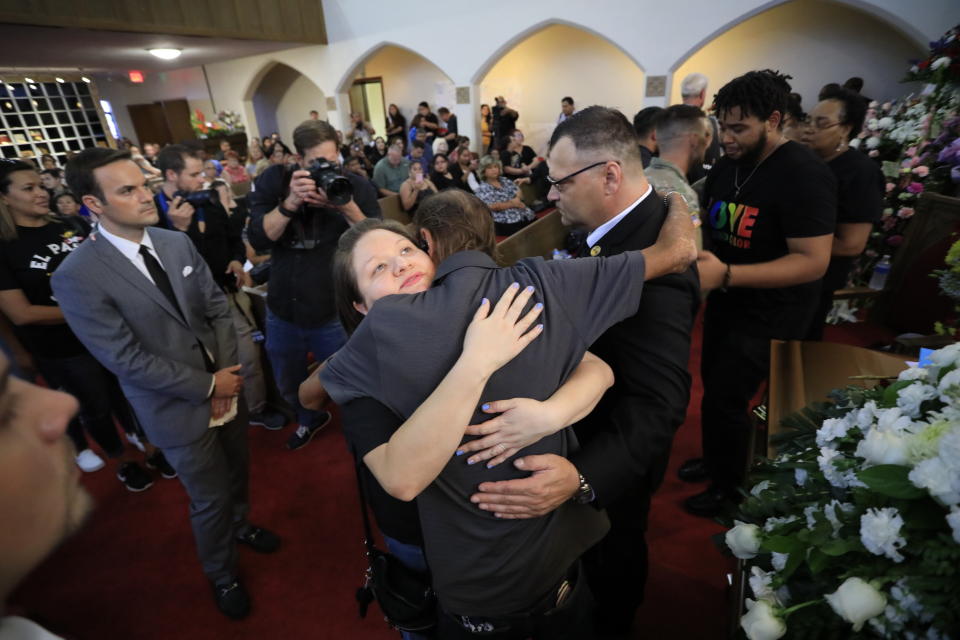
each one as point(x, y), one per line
point(163, 283)
point(160, 277)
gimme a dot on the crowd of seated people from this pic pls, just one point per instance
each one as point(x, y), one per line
point(826, 194)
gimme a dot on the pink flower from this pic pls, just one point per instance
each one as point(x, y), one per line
point(890, 187)
point(922, 171)
point(889, 223)
point(912, 151)
point(905, 212)
point(873, 153)
point(915, 187)
point(895, 241)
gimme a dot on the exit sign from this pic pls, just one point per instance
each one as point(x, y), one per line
point(136, 76)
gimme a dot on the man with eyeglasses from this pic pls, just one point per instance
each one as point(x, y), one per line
point(598, 184)
point(769, 221)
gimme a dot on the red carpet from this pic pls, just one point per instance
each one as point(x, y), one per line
point(132, 573)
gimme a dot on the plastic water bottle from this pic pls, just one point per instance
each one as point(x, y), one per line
point(561, 254)
point(880, 272)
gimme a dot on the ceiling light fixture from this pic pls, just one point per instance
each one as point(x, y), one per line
point(28, 80)
point(59, 79)
point(166, 54)
point(85, 79)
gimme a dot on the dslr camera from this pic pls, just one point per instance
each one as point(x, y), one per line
point(328, 177)
point(199, 199)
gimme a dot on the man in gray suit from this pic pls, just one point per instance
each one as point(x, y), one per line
point(144, 303)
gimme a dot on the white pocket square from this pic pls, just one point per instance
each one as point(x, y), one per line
point(187, 270)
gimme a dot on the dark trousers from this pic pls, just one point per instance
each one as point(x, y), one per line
point(733, 365)
point(617, 566)
point(836, 278)
point(571, 620)
point(214, 471)
point(97, 391)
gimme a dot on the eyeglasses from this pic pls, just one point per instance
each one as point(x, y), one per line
point(821, 125)
point(559, 183)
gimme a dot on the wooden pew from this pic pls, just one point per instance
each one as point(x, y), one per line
point(391, 209)
point(537, 239)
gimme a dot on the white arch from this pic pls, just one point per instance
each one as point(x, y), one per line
point(506, 47)
point(346, 80)
point(894, 21)
point(267, 67)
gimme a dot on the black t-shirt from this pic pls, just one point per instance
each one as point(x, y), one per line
point(507, 122)
point(27, 264)
point(441, 181)
point(517, 160)
point(366, 423)
point(792, 194)
point(301, 287)
point(860, 191)
point(459, 178)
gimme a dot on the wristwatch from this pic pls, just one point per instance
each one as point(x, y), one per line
point(285, 212)
point(585, 493)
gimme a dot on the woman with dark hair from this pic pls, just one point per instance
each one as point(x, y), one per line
point(486, 125)
point(33, 243)
point(396, 125)
point(416, 188)
point(66, 204)
point(375, 152)
point(400, 414)
point(440, 174)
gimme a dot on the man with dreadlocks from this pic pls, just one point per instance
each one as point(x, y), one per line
point(770, 217)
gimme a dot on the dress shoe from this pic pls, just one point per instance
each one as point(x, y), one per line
point(694, 470)
point(711, 502)
point(259, 539)
point(232, 599)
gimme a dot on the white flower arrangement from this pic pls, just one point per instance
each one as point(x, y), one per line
point(868, 543)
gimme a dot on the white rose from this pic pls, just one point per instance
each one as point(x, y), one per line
point(946, 356)
point(759, 488)
point(880, 532)
point(934, 476)
point(761, 621)
point(779, 560)
point(873, 142)
point(885, 123)
point(939, 63)
point(913, 373)
point(912, 396)
point(949, 387)
point(883, 447)
point(743, 540)
point(830, 472)
point(855, 143)
point(760, 584)
point(893, 419)
point(953, 519)
point(800, 476)
point(856, 602)
point(832, 429)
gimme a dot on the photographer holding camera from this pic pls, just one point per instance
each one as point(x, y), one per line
point(299, 216)
point(183, 205)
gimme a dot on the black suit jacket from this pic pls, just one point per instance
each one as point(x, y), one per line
point(626, 439)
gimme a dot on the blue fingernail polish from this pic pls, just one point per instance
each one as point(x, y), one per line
point(514, 285)
point(485, 407)
point(540, 326)
point(483, 302)
point(538, 306)
point(470, 461)
point(529, 289)
point(460, 453)
point(489, 465)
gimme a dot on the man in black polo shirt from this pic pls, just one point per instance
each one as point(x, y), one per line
point(217, 237)
point(291, 216)
point(769, 222)
point(504, 122)
point(598, 183)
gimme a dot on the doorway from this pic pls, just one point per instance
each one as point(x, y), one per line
point(366, 98)
point(161, 122)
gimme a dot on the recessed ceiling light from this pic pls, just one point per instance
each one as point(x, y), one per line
point(166, 54)
point(85, 79)
point(28, 80)
point(59, 79)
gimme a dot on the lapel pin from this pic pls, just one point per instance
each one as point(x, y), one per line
point(595, 251)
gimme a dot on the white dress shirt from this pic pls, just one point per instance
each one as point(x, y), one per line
point(131, 250)
point(602, 230)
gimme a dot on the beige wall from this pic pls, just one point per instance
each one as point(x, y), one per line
point(283, 99)
point(816, 43)
point(408, 79)
point(556, 62)
point(167, 85)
